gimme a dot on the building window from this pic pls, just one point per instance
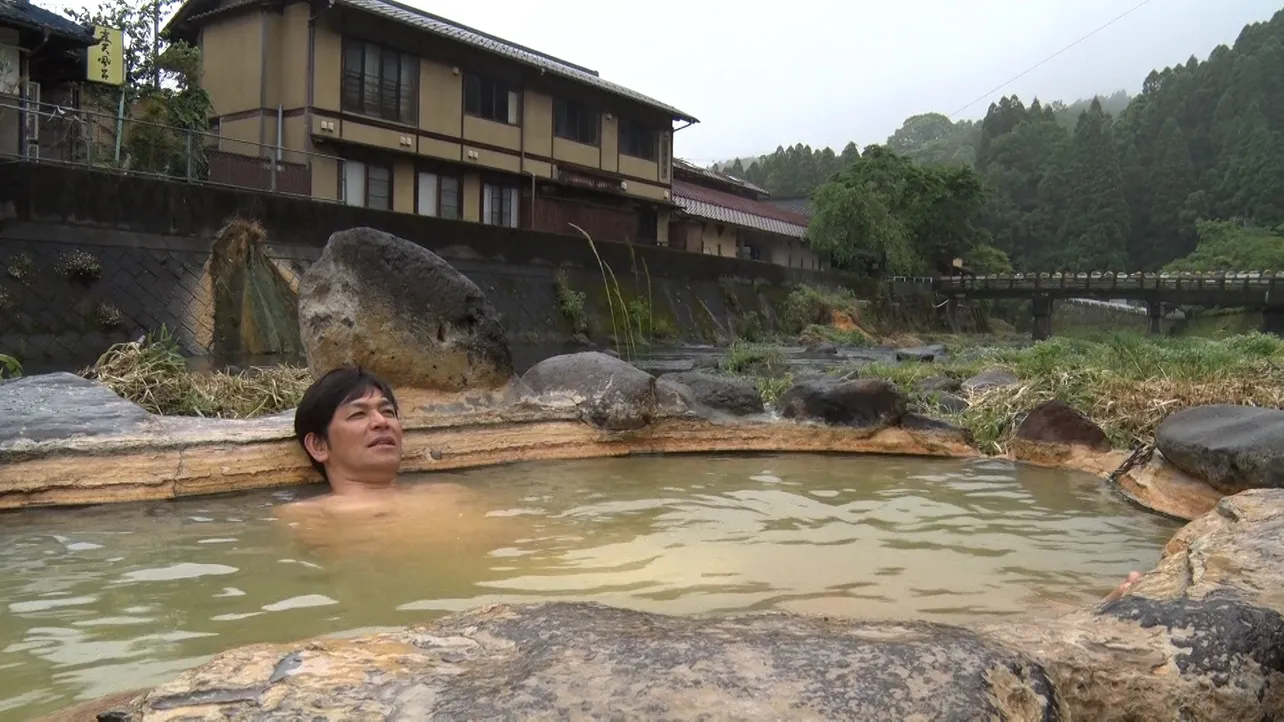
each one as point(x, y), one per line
point(664, 156)
point(638, 141)
point(575, 122)
point(368, 186)
point(648, 228)
point(379, 81)
point(438, 196)
point(499, 205)
point(490, 99)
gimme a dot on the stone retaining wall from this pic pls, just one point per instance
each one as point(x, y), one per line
point(151, 240)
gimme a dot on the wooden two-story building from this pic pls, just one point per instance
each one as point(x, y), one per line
point(379, 104)
point(722, 215)
point(42, 66)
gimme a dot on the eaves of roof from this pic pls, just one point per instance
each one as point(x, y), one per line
point(692, 168)
point(727, 208)
point(445, 28)
point(32, 17)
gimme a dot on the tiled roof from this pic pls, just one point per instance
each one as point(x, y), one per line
point(26, 15)
point(729, 208)
point(445, 28)
point(801, 206)
point(682, 165)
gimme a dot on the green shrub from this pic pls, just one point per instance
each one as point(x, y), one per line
point(571, 303)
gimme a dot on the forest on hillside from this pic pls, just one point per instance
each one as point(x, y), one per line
point(1187, 175)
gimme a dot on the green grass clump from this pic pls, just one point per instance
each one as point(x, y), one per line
point(571, 303)
point(748, 358)
point(1127, 383)
point(10, 368)
point(810, 305)
point(854, 338)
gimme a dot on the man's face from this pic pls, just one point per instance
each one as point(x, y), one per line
point(364, 441)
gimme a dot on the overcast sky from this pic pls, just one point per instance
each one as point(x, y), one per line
point(760, 74)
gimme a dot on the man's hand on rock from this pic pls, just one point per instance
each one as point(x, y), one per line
point(1119, 591)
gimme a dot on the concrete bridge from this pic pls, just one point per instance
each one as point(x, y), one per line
point(1160, 291)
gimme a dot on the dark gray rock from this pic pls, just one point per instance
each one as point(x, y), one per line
point(724, 393)
point(1056, 422)
point(62, 405)
point(674, 398)
point(919, 422)
point(926, 354)
point(861, 403)
point(1223, 636)
point(402, 312)
point(707, 362)
point(990, 379)
point(823, 348)
point(933, 384)
point(949, 402)
point(1231, 447)
point(610, 393)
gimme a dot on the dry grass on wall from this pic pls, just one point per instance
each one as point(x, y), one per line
point(153, 374)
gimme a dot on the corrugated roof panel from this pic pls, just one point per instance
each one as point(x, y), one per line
point(445, 28)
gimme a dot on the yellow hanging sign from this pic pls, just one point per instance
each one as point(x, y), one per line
point(107, 58)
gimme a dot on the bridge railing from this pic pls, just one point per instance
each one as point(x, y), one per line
point(1109, 281)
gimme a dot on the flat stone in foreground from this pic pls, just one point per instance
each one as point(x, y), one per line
point(589, 661)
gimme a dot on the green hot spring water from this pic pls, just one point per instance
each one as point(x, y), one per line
point(105, 599)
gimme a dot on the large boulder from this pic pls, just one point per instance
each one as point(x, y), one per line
point(1231, 447)
point(610, 393)
point(61, 406)
point(399, 310)
point(863, 403)
point(1057, 423)
point(730, 394)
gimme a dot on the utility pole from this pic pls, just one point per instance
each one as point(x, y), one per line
point(155, 43)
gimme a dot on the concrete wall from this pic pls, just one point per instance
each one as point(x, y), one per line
point(151, 239)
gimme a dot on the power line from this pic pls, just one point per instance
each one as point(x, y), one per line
point(1030, 69)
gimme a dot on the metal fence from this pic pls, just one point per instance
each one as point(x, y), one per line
point(46, 133)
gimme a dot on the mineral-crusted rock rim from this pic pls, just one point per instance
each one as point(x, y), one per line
point(169, 457)
point(186, 459)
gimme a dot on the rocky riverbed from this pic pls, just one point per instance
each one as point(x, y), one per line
point(1199, 638)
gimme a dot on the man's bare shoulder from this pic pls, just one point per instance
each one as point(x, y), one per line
point(338, 506)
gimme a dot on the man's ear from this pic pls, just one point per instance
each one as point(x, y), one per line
point(317, 447)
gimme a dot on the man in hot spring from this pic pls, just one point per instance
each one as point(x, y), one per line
point(349, 425)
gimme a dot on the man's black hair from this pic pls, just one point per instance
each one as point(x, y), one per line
point(326, 395)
